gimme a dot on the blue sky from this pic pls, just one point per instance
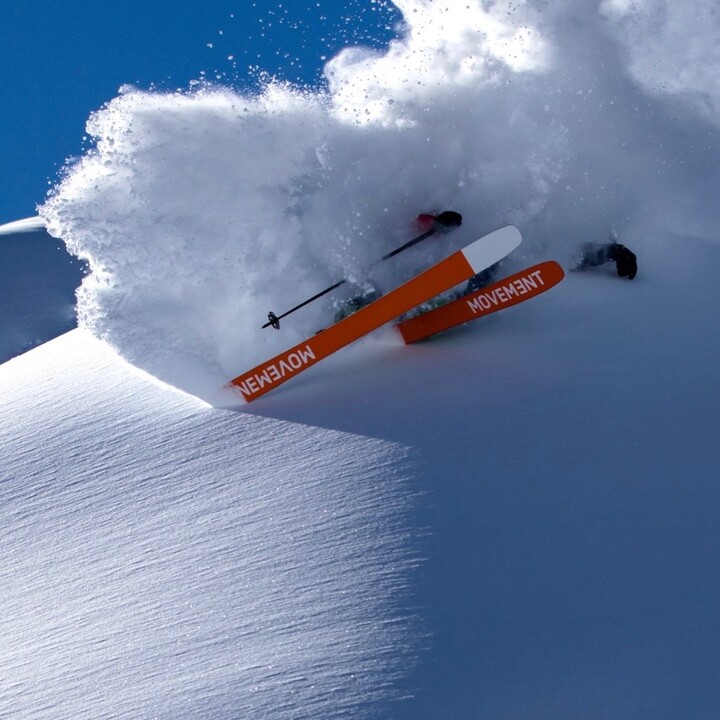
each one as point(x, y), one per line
point(62, 61)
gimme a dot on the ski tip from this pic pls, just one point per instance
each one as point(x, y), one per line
point(492, 248)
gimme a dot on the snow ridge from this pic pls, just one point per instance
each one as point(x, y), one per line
point(180, 561)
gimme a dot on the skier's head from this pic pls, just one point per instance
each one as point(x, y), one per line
point(443, 223)
point(448, 220)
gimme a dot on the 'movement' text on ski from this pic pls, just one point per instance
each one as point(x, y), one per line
point(276, 372)
point(512, 290)
point(503, 295)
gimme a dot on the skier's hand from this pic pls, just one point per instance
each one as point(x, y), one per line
point(626, 262)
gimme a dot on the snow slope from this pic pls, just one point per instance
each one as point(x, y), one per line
point(515, 519)
point(569, 452)
point(164, 558)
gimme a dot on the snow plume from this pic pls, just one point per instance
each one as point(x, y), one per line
point(199, 212)
point(672, 48)
point(453, 47)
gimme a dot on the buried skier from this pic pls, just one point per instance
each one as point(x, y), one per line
point(594, 254)
point(428, 224)
point(442, 223)
point(476, 282)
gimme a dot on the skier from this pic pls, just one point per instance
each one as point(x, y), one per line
point(594, 254)
point(425, 222)
point(444, 222)
point(428, 224)
point(476, 282)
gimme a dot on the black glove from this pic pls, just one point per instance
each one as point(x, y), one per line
point(626, 262)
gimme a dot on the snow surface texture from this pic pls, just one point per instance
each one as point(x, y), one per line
point(164, 560)
point(568, 445)
point(199, 212)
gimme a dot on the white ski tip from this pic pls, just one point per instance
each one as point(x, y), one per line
point(32, 224)
point(492, 248)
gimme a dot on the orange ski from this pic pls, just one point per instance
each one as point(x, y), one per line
point(454, 269)
point(512, 290)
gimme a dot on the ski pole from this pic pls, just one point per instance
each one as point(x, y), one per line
point(444, 222)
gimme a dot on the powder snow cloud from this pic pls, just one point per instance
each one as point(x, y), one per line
point(558, 117)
